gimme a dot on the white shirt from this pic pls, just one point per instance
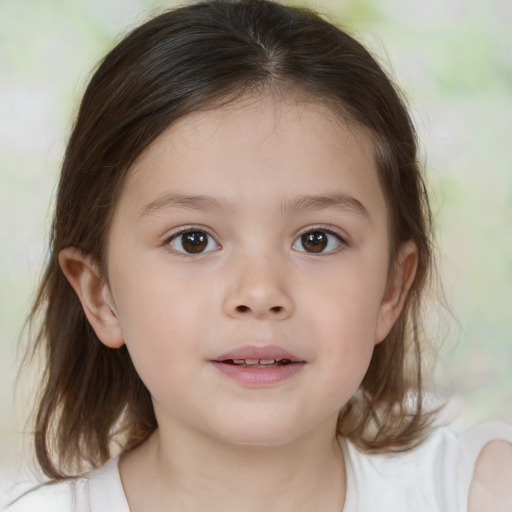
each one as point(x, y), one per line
point(434, 477)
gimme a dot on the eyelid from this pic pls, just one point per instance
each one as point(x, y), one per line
point(327, 228)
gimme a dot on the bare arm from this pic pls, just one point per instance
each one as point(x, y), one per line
point(491, 486)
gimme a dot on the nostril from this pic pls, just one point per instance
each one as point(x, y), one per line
point(244, 309)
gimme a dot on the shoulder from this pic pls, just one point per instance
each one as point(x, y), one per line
point(482, 463)
point(61, 496)
point(99, 490)
point(438, 474)
point(410, 480)
point(491, 484)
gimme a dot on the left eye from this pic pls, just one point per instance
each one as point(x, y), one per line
point(317, 241)
point(193, 241)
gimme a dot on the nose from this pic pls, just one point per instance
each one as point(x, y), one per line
point(258, 288)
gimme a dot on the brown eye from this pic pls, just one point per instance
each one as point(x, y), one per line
point(193, 242)
point(318, 241)
point(314, 242)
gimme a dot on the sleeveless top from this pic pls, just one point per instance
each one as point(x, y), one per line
point(434, 477)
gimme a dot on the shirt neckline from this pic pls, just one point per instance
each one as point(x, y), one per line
point(106, 491)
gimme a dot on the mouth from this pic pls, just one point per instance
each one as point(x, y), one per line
point(259, 366)
point(267, 356)
point(258, 363)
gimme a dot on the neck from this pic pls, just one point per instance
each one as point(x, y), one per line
point(191, 471)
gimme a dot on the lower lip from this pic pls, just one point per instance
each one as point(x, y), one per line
point(258, 376)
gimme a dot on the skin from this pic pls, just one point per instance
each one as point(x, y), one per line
point(223, 445)
point(491, 488)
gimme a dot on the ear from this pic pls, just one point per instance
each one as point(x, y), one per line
point(94, 294)
point(399, 283)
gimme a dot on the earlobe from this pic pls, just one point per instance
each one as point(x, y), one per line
point(94, 294)
point(397, 288)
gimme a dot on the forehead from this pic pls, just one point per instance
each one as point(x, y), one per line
point(272, 149)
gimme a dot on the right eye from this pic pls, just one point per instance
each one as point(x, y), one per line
point(193, 241)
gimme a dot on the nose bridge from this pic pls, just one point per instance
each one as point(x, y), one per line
point(258, 286)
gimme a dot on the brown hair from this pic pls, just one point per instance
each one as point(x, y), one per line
point(188, 59)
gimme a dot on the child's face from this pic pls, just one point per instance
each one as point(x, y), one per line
point(286, 245)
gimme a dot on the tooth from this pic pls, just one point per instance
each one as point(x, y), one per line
point(239, 361)
point(267, 361)
point(252, 361)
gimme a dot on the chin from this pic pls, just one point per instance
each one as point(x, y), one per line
point(257, 433)
point(256, 440)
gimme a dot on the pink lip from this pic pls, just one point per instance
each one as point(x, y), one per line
point(256, 377)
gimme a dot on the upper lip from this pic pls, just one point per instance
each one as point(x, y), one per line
point(258, 352)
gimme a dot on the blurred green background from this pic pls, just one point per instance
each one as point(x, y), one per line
point(452, 59)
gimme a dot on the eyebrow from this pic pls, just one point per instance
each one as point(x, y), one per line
point(339, 201)
point(188, 202)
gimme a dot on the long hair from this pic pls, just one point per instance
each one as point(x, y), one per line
point(190, 59)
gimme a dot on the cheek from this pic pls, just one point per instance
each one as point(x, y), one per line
point(153, 295)
point(348, 340)
point(344, 360)
point(344, 313)
point(346, 297)
point(159, 315)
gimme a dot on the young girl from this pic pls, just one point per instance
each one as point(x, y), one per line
point(240, 248)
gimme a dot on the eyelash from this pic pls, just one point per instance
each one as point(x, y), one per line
point(311, 230)
point(342, 242)
point(190, 229)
